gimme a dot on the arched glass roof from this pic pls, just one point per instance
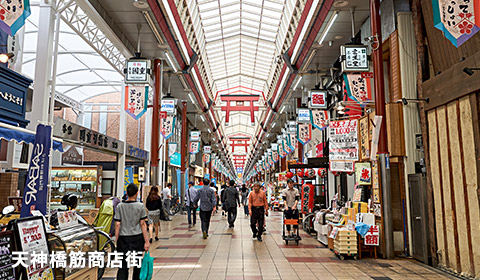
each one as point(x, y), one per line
point(81, 72)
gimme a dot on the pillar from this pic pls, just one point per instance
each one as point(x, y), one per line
point(183, 152)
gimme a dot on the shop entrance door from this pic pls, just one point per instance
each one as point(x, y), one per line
point(417, 184)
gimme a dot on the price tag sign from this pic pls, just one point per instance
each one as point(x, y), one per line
point(372, 238)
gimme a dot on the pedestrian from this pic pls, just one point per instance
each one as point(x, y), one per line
point(154, 206)
point(222, 198)
point(232, 201)
point(191, 206)
point(167, 198)
point(130, 230)
point(245, 192)
point(207, 205)
point(291, 196)
point(214, 189)
point(258, 208)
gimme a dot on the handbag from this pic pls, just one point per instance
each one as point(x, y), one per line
point(146, 271)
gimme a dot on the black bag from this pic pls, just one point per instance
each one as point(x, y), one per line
point(163, 213)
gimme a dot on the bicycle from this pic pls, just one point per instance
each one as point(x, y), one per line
point(175, 207)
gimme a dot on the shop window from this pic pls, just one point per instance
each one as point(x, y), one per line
point(87, 118)
point(107, 185)
point(102, 119)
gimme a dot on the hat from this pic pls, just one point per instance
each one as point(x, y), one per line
point(289, 181)
point(191, 183)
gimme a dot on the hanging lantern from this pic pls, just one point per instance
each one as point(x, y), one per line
point(335, 173)
point(300, 173)
point(289, 175)
point(349, 173)
point(310, 173)
point(322, 172)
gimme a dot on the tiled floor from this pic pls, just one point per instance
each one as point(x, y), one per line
point(232, 254)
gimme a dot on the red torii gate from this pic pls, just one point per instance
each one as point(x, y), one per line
point(239, 142)
point(238, 99)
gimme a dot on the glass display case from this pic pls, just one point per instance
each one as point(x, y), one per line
point(80, 238)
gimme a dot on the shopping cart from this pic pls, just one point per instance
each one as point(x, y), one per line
point(295, 234)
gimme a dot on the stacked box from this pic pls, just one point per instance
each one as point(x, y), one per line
point(346, 242)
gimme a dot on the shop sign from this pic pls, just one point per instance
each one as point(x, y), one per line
point(207, 149)
point(343, 140)
point(458, 20)
point(195, 135)
point(36, 187)
point(136, 98)
point(342, 166)
point(71, 156)
point(137, 71)
point(319, 149)
point(303, 115)
point(372, 238)
point(199, 172)
point(138, 153)
point(320, 119)
point(7, 271)
point(354, 58)
point(13, 96)
point(172, 148)
point(81, 135)
point(308, 193)
point(364, 141)
point(304, 133)
point(167, 126)
point(168, 105)
point(16, 201)
point(194, 147)
point(318, 99)
point(32, 237)
point(358, 88)
point(363, 173)
point(206, 158)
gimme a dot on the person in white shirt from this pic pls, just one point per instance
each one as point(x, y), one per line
point(167, 197)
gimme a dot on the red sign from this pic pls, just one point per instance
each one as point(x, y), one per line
point(308, 197)
point(318, 99)
point(372, 237)
point(367, 75)
point(163, 115)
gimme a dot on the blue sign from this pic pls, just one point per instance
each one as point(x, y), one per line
point(175, 160)
point(206, 176)
point(214, 181)
point(13, 97)
point(135, 152)
point(36, 188)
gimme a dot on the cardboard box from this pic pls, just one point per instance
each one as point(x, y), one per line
point(89, 215)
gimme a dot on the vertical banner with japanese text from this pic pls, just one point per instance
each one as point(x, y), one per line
point(136, 98)
point(167, 126)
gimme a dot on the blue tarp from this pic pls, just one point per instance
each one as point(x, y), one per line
point(19, 136)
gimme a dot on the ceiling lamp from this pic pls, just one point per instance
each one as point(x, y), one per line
point(330, 23)
point(341, 3)
point(140, 4)
point(4, 57)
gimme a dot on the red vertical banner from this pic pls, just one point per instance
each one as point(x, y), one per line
point(308, 193)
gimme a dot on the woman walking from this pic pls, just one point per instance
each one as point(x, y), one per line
point(245, 192)
point(154, 206)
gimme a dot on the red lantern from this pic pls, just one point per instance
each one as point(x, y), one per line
point(349, 173)
point(289, 175)
point(310, 173)
point(300, 173)
point(322, 172)
point(335, 173)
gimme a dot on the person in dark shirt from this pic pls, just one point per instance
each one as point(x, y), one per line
point(208, 203)
point(232, 200)
point(154, 206)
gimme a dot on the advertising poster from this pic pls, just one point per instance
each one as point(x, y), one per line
point(343, 140)
point(33, 238)
point(363, 173)
point(7, 272)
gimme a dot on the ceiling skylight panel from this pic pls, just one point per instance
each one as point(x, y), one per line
point(250, 16)
point(247, 28)
point(226, 9)
point(275, 6)
point(270, 20)
point(231, 16)
point(209, 13)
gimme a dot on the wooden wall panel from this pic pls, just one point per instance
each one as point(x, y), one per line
point(459, 198)
point(437, 191)
point(395, 131)
point(447, 191)
point(444, 54)
point(471, 176)
point(395, 77)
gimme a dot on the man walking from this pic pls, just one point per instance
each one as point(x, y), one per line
point(130, 230)
point(258, 208)
point(291, 196)
point(191, 207)
point(167, 197)
point(232, 199)
point(207, 205)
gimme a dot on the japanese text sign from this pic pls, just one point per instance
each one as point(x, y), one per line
point(194, 147)
point(137, 71)
point(372, 238)
point(303, 115)
point(319, 119)
point(342, 166)
point(318, 99)
point(343, 140)
point(168, 105)
point(13, 14)
point(358, 88)
point(136, 99)
point(355, 58)
point(304, 133)
point(195, 135)
point(363, 173)
point(207, 149)
point(167, 126)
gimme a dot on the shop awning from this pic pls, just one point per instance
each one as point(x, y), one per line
point(21, 135)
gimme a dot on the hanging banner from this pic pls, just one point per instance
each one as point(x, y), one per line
point(195, 135)
point(167, 126)
point(206, 158)
point(136, 100)
point(13, 15)
point(304, 133)
point(342, 166)
point(36, 187)
point(343, 140)
point(207, 149)
point(319, 119)
point(458, 20)
point(318, 99)
point(303, 115)
point(194, 147)
point(358, 88)
point(172, 148)
point(363, 173)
